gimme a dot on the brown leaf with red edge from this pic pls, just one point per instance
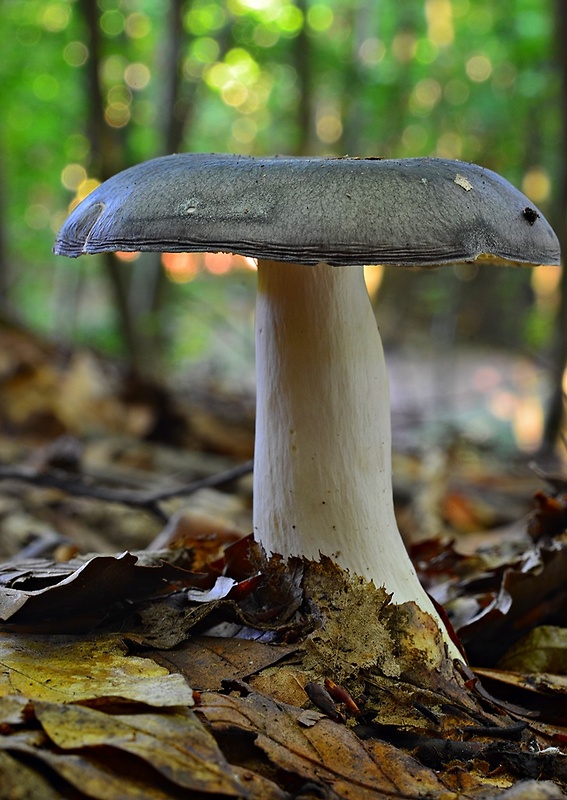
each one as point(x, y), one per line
point(549, 515)
point(528, 596)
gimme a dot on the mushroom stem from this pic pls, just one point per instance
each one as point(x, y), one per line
point(323, 475)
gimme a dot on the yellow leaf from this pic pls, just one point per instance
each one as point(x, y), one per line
point(21, 781)
point(72, 668)
point(94, 778)
point(176, 745)
point(543, 649)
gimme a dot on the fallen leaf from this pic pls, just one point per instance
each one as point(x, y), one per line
point(529, 595)
point(19, 781)
point(548, 517)
point(76, 593)
point(533, 790)
point(259, 787)
point(544, 649)
point(541, 693)
point(326, 754)
point(12, 709)
point(71, 669)
point(206, 661)
point(178, 746)
point(221, 588)
point(284, 683)
point(92, 775)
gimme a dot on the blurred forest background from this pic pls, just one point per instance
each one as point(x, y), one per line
point(89, 88)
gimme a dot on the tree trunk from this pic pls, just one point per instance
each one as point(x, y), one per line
point(303, 62)
point(149, 289)
point(107, 158)
point(556, 407)
point(138, 294)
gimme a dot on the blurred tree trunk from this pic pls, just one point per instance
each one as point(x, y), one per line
point(149, 286)
point(140, 291)
point(107, 158)
point(176, 96)
point(302, 46)
point(556, 408)
point(364, 24)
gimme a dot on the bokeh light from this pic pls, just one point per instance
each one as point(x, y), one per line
point(479, 68)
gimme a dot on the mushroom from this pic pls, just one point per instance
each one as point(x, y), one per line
point(322, 476)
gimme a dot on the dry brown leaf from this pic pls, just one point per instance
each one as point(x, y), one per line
point(541, 693)
point(284, 683)
point(326, 753)
point(88, 589)
point(117, 757)
point(259, 787)
point(529, 595)
point(459, 782)
point(44, 392)
point(12, 709)
point(71, 669)
point(208, 660)
point(533, 790)
point(166, 624)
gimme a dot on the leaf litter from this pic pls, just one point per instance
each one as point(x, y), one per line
point(103, 657)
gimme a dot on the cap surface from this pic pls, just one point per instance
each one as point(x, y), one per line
point(345, 211)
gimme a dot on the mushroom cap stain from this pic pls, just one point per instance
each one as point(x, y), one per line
point(531, 215)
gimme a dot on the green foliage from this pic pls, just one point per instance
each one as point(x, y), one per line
point(456, 78)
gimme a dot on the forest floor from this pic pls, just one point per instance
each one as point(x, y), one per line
point(94, 466)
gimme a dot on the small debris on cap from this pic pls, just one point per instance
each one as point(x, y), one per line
point(460, 180)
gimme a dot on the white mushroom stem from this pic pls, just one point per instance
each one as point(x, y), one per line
point(322, 474)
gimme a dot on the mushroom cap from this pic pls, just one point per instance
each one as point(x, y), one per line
point(344, 211)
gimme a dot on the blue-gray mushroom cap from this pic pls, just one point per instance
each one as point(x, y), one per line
point(344, 211)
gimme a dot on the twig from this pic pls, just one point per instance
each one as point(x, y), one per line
point(148, 501)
